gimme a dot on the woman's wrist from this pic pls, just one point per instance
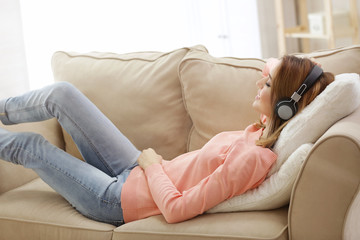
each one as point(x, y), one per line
point(149, 157)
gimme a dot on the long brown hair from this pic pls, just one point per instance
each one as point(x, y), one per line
point(286, 79)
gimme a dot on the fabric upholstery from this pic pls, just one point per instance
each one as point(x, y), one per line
point(35, 211)
point(218, 94)
point(328, 184)
point(241, 225)
point(351, 229)
point(340, 60)
point(139, 92)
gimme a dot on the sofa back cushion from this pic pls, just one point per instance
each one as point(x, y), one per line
point(139, 92)
point(340, 60)
point(218, 93)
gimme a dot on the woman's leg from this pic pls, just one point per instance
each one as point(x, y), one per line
point(91, 191)
point(99, 141)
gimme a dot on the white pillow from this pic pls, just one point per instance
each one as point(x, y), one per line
point(274, 192)
point(338, 100)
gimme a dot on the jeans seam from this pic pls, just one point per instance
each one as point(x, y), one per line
point(25, 109)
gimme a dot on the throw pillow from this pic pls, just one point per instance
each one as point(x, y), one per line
point(273, 192)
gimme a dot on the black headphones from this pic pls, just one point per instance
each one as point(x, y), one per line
point(286, 108)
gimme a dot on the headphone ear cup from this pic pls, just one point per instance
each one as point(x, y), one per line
point(285, 108)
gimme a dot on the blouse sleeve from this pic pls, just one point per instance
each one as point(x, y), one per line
point(226, 181)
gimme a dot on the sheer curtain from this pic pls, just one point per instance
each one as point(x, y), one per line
point(225, 27)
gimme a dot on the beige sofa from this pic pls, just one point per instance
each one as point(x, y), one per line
point(174, 102)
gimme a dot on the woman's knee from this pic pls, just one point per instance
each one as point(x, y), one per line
point(62, 88)
point(62, 91)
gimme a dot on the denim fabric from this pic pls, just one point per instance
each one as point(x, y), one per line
point(92, 187)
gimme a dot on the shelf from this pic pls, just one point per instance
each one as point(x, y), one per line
point(306, 35)
point(340, 33)
point(327, 27)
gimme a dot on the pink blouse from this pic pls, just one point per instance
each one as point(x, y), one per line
point(228, 165)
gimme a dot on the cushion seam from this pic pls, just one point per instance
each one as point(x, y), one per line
point(74, 55)
point(220, 63)
point(333, 52)
point(216, 236)
point(27, 221)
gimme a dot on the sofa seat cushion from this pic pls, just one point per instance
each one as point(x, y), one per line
point(239, 225)
point(35, 211)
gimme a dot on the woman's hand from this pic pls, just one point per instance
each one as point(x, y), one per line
point(149, 157)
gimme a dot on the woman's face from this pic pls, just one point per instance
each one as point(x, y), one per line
point(262, 102)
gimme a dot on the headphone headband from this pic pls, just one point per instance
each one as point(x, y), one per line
point(286, 108)
point(309, 81)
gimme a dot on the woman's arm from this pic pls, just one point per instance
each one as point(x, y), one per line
point(229, 179)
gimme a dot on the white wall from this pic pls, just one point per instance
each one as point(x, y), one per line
point(225, 27)
point(96, 25)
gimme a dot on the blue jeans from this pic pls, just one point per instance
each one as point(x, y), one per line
point(92, 187)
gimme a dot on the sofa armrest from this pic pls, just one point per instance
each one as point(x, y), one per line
point(327, 184)
point(11, 175)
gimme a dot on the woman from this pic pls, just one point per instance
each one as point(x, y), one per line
point(118, 183)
